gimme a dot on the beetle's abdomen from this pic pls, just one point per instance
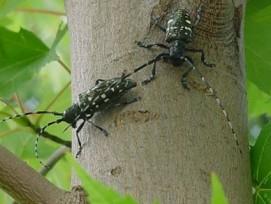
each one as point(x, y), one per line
point(179, 27)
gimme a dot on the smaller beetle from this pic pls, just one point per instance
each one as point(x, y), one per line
point(105, 94)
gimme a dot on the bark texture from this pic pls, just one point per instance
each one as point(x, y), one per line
point(164, 146)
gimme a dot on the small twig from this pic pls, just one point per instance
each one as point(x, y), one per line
point(51, 137)
point(53, 159)
point(29, 10)
point(18, 99)
point(54, 99)
point(64, 66)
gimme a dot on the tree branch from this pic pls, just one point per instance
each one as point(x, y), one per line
point(27, 186)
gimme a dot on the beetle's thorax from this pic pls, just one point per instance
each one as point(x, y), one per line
point(72, 114)
point(176, 51)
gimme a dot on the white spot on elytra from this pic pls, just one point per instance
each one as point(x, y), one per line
point(106, 100)
point(97, 106)
point(93, 103)
point(112, 89)
point(89, 98)
point(188, 21)
point(212, 91)
point(170, 21)
point(187, 28)
point(103, 96)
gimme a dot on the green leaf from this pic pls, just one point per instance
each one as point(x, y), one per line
point(218, 195)
point(261, 166)
point(60, 33)
point(22, 54)
point(8, 5)
point(257, 38)
point(98, 193)
point(259, 102)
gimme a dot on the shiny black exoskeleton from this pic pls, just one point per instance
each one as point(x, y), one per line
point(105, 94)
point(179, 33)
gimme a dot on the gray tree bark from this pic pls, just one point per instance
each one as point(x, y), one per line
point(164, 146)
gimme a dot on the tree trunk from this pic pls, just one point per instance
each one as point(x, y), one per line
point(164, 146)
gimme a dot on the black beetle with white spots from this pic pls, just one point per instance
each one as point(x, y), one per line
point(178, 34)
point(105, 94)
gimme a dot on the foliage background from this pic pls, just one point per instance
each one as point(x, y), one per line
point(39, 91)
point(49, 86)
